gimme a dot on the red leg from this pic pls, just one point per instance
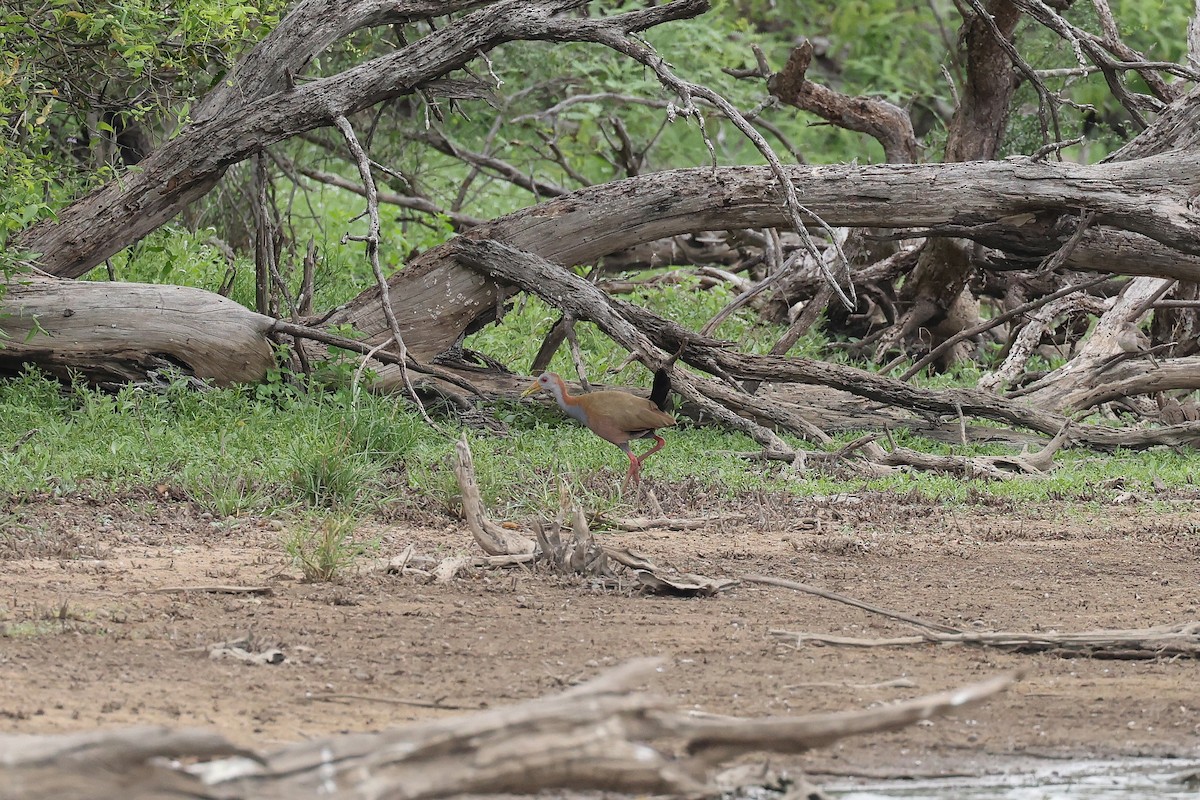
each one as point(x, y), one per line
point(659, 444)
point(635, 467)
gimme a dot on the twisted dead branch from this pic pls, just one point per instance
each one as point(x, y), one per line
point(650, 338)
point(606, 734)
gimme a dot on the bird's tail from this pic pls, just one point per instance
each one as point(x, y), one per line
point(660, 389)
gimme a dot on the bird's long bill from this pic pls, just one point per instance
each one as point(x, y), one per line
point(533, 387)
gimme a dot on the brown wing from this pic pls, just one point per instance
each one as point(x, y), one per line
point(620, 416)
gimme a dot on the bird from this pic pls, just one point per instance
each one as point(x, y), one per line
point(1132, 339)
point(615, 416)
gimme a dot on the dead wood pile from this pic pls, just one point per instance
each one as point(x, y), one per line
point(607, 734)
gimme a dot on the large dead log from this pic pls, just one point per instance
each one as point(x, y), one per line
point(439, 298)
point(116, 333)
point(1009, 205)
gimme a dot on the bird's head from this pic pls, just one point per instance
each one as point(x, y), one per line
point(545, 381)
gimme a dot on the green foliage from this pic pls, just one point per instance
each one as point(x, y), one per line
point(1152, 28)
point(325, 550)
point(73, 72)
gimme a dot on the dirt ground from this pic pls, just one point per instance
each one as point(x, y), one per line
point(98, 635)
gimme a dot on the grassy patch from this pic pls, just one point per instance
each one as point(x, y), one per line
point(324, 551)
point(48, 621)
point(239, 451)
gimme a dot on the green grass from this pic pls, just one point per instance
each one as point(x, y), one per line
point(265, 451)
point(325, 550)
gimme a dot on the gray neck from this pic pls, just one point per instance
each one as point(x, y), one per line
point(573, 410)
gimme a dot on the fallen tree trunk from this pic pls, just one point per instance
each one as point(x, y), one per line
point(1010, 205)
point(600, 735)
point(116, 333)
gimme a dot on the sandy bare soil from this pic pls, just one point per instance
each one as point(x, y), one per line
point(97, 635)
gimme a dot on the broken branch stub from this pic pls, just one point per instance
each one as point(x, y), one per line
point(494, 539)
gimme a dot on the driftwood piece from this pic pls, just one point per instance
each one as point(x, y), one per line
point(605, 734)
point(114, 333)
point(494, 539)
point(579, 555)
point(684, 585)
point(1165, 641)
point(639, 524)
point(108, 765)
point(1024, 343)
point(889, 124)
point(716, 740)
point(1025, 463)
point(448, 568)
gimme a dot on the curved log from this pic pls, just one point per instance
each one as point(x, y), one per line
point(997, 203)
point(113, 333)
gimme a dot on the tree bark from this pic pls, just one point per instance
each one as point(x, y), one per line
point(936, 292)
point(1007, 204)
point(114, 333)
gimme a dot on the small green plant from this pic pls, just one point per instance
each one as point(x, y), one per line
point(324, 552)
point(331, 474)
point(228, 496)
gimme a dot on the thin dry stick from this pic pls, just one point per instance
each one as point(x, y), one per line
point(613, 37)
point(576, 354)
point(999, 319)
point(841, 598)
point(747, 296)
point(263, 248)
point(355, 346)
point(332, 697)
point(213, 589)
point(362, 365)
point(372, 242)
point(25, 437)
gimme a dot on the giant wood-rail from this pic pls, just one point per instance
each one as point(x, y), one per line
point(615, 416)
